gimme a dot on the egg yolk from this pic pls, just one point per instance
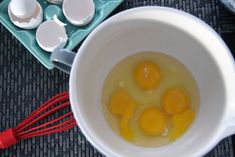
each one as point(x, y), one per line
point(180, 123)
point(127, 115)
point(127, 134)
point(122, 104)
point(147, 75)
point(152, 121)
point(175, 101)
point(119, 101)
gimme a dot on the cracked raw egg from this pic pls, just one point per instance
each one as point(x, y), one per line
point(175, 100)
point(123, 105)
point(152, 121)
point(147, 75)
point(150, 99)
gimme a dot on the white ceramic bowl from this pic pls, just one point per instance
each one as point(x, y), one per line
point(230, 4)
point(175, 33)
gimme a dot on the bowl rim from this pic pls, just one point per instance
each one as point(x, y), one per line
point(228, 5)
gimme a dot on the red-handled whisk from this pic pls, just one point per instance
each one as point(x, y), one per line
point(29, 128)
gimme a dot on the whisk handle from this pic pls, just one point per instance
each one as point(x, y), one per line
point(7, 138)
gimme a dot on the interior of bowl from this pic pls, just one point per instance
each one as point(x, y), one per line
point(116, 40)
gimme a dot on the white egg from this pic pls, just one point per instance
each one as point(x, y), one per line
point(23, 8)
point(55, 1)
point(30, 22)
point(51, 34)
point(79, 12)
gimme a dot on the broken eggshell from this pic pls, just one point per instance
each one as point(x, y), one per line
point(23, 8)
point(51, 34)
point(27, 23)
point(79, 12)
point(55, 1)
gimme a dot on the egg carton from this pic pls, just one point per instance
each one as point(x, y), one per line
point(75, 34)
